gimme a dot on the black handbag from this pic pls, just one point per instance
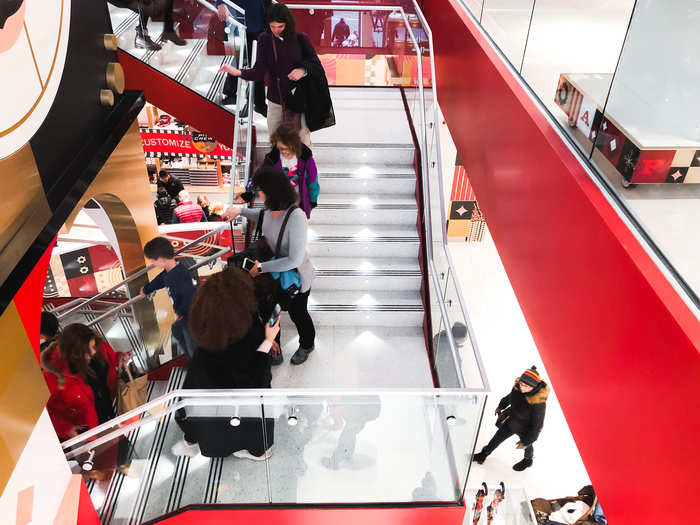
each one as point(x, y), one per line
point(257, 250)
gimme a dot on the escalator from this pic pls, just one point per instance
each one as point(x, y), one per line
point(184, 80)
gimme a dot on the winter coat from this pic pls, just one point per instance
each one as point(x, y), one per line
point(526, 411)
point(307, 177)
point(240, 365)
point(310, 94)
point(71, 404)
point(164, 207)
point(289, 56)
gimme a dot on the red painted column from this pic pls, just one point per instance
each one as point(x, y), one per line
point(620, 346)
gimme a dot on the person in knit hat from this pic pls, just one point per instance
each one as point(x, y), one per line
point(520, 413)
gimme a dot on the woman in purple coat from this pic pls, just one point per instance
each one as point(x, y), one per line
point(296, 161)
point(286, 57)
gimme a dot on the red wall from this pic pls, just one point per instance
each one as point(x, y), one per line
point(185, 104)
point(620, 347)
point(322, 516)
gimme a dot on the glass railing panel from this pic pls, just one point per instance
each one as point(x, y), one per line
point(476, 7)
point(647, 139)
point(572, 76)
point(508, 21)
point(370, 448)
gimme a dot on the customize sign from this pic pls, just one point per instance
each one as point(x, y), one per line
point(181, 144)
point(33, 43)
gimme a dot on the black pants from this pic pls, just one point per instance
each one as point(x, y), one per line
point(168, 24)
point(299, 312)
point(500, 436)
point(231, 85)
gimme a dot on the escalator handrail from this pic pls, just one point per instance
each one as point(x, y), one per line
point(142, 271)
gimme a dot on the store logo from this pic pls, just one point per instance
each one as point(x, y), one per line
point(11, 22)
point(202, 142)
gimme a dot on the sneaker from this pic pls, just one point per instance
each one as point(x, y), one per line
point(301, 355)
point(244, 454)
point(183, 448)
point(522, 465)
point(143, 41)
point(174, 38)
point(479, 458)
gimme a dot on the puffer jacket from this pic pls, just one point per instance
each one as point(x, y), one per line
point(526, 411)
point(71, 404)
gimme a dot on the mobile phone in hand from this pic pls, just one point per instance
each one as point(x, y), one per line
point(275, 315)
point(247, 264)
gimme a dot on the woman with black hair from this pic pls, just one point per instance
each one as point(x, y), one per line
point(278, 195)
point(281, 53)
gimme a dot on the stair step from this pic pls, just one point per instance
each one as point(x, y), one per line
point(360, 273)
point(359, 154)
point(344, 183)
point(361, 308)
point(366, 240)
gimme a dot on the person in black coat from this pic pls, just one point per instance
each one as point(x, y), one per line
point(520, 413)
point(233, 352)
point(164, 206)
point(171, 184)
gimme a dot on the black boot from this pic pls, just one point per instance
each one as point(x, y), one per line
point(480, 457)
point(522, 465)
point(173, 37)
point(143, 41)
point(301, 355)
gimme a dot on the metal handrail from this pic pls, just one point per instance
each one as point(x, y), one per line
point(229, 19)
point(77, 305)
point(133, 300)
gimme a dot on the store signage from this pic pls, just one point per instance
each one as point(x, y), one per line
point(203, 143)
point(182, 144)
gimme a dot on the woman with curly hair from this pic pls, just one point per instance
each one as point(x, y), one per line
point(233, 345)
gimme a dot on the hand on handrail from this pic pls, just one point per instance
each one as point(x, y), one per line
point(222, 12)
point(227, 68)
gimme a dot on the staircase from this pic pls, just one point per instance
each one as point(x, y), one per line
point(364, 245)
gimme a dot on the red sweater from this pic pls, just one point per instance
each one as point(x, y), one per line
point(71, 404)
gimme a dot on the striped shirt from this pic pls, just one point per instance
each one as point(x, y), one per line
point(188, 212)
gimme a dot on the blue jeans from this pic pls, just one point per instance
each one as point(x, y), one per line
point(500, 436)
point(183, 338)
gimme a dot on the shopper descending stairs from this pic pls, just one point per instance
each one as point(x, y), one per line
point(365, 300)
point(188, 61)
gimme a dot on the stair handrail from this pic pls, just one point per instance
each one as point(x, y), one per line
point(113, 311)
point(228, 19)
point(423, 140)
point(77, 305)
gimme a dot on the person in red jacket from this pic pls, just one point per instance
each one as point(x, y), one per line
point(81, 372)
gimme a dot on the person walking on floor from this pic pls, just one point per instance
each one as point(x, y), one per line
point(520, 413)
point(296, 161)
point(233, 351)
point(176, 278)
point(188, 211)
point(171, 183)
point(281, 54)
point(278, 195)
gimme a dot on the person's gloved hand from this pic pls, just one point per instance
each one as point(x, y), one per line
point(520, 445)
